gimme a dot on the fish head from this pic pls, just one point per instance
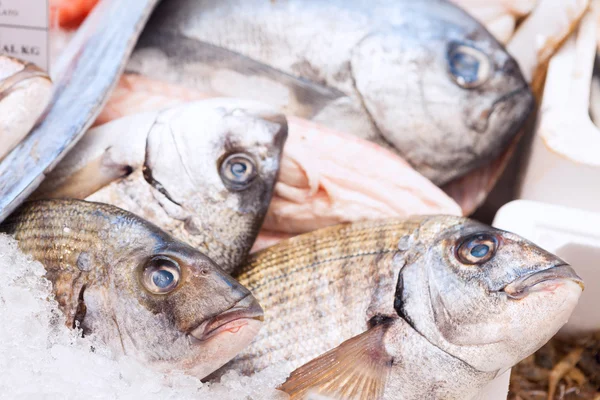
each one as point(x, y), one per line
point(485, 296)
point(175, 308)
point(442, 90)
point(215, 164)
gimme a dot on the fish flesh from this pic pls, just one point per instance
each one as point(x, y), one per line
point(143, 292)
point(316, 186)
point(24, 94)
point(421, 77)
point(402, 298)
point(203, 171)
point(328, 178)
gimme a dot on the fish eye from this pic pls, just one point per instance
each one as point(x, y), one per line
point(468, 66)
point(238, 171)
point(161, 275)
point(477, 249)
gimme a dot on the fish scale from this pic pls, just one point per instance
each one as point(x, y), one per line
point(327, 269)
point(367, 311)
point(106, 265)
point(56, 234)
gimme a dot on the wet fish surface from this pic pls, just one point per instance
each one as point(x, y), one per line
point(143, 292)
point(402, 298)
point(422, 77)
point(203, 171)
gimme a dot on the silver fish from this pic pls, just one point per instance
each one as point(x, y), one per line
point(430, 307)
point(203, 171)
point(141, 291)
point(422, 77)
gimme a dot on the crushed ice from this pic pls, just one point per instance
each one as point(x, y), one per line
point(42, 358)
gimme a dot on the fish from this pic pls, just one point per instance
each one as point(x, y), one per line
point(316, 186)
point(422, 78)
point(203, 171)
point(498, 16)
point(25, 91)
point(425, 307)
point(135, 287)
point(84, 75)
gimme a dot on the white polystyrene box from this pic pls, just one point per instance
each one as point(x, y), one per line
point(570, 233)
point(563, 164)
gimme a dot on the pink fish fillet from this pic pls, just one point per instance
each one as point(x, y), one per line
point(327, 177)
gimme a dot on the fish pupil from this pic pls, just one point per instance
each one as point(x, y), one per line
point(239, 169)
point(162, 278)
point(480, 250)
point(465, 66)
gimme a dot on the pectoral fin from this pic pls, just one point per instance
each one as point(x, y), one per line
point(105, 154)
point(356, 369)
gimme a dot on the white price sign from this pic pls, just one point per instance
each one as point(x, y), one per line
point(24, 30)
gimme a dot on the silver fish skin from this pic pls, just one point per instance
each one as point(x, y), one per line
point(135, 287)
point(203, 171)
point(430, 307)
point(421, 77)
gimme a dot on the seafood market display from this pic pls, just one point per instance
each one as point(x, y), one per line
point(139, 289)
point(316, 187)
point(402, 69)
point(466, 299)
point(203, 171)
point(269, 200)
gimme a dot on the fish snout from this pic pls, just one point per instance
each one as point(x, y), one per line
point(517, 104)
point(232, 320)
point(545, 280)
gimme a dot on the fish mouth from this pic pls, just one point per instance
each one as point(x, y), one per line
point(542, 280)
point(231, 320)
point(522, 106)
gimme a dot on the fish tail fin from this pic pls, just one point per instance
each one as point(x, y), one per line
point(356, 369)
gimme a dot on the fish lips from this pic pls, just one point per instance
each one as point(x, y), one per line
point(541, 280)
point(230, 320)
point(520, 102)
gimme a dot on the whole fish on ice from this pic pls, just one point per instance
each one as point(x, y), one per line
point(422, 77)
point(202, 171)
point(430, 307)
point(143, 292)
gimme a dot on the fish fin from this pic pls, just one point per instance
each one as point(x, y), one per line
point(105, 154)
point(96, 174)
point(356, 369)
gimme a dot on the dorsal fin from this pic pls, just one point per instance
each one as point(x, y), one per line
point(356, 369)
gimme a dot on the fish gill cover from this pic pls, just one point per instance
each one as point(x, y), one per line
point(42, 357)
